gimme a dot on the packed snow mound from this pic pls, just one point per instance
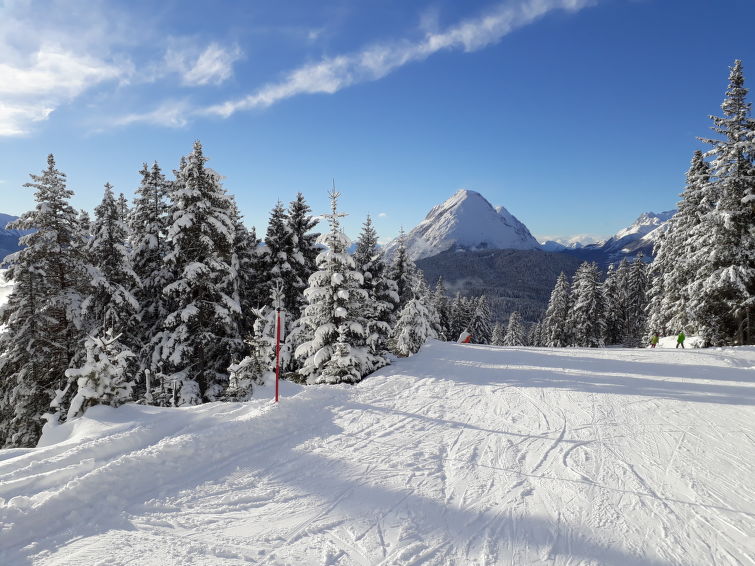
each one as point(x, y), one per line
point(461, 454)
point(466, 221)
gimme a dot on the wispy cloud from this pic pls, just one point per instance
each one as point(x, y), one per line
point(171, 113)
point(375, 62)
point(382, 214)
point(212, 65)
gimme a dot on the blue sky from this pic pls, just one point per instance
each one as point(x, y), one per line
point(576, 115)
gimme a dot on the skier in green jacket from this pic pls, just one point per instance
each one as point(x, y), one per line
point(680, 339)
point(654, 340)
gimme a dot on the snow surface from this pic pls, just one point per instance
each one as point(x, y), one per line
point(461, 454)
point(467, 221)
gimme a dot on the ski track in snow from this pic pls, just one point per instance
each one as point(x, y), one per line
point(469, 455)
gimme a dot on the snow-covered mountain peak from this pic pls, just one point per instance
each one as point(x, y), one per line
point(645, 223)
point(466, 221)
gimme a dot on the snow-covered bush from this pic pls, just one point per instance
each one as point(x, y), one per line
point(102, 380)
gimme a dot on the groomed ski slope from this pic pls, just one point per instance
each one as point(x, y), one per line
point(459, 455)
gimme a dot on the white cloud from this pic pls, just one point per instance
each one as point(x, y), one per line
point(583, 239)
point(213, 65)
point(53, 53)
point(334, 73)
point(382, 214)
point(171, 113)
point(49, 55)
point(31, 90)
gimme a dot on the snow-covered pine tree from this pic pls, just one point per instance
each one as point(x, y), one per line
point(673, 268)
point(615, 294)
point(586, 319)
point(404, 272)
point(636, 304)
point(460, 315)
point(257, 367)
point(382, 294)
point(535, 337)
point(516, 334)
point(85, 223)
point(111, 305)
point(556, 331)
point(246, 281)
point(723, 291)
point(123, 209)
point(148, 222)
point(43, 314)
point(280, 259)
point(304, 250)
point(422, 291)
point(413, 326)
point(614, 307)
point(337, 351)
point(480, 321)
point(442, 305)
point(498, 335)
point(201, 334)
point(103, 379)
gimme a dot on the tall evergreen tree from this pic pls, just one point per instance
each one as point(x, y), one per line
point(148, 222)
point(586, 321)
point(245, 263)
point(43, 314)
point(498, 335)
point(442, 305)
point(535, 337)
point(304, 249)
point(201, 334)
point(480, 322)
point(676, 253)
point(280, 260)
point(613, 296)
point(382, 294)
point(516, 334)
point(723, 292)
point(403, 271)
point(556, 330)
point(111, 304)
point(414, 325)
point(123, 209)
point(85, 223)
point(636, 303)
point(337, 351)
point(460, 315)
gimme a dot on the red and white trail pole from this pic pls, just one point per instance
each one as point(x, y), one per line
point(277, 350)
point(277, 296)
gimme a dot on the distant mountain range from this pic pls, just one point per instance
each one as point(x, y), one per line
point(481, 249)
point(639, 237)
point(468, 222)
point(8, 238)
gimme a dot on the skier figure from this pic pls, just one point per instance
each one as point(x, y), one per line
point(680, 339)
point(654, 340)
